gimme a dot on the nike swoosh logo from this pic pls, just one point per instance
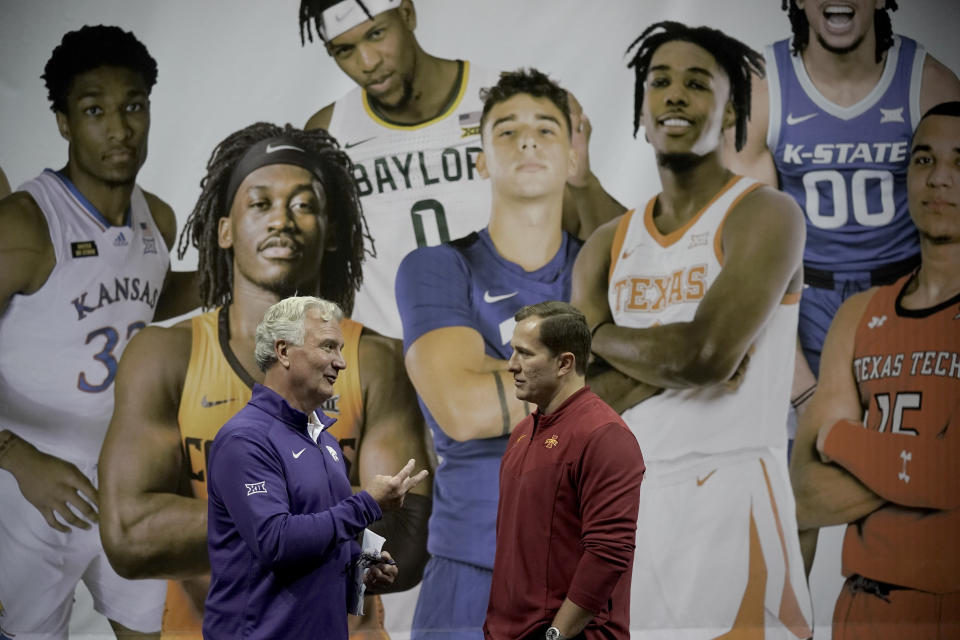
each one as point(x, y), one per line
point(489, 298)
point(271, 148)
point(206, 404)
point(629, 252)
point(297, 454)
point(351, 145)
point(799, 119)
point(705, 478)
point(343, 15)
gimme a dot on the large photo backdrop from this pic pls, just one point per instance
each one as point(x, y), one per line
point(224, 64)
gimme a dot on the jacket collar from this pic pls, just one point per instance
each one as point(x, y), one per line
point(541, 420)
point(271, 402)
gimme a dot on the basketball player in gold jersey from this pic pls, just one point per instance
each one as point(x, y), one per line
point(278, 214)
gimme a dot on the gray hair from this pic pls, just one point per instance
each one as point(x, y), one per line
point(284, 321)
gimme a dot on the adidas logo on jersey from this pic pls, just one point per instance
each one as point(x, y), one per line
point(876, 321)
point(120, 240)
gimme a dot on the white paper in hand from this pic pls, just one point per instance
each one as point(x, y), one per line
point(371, 545)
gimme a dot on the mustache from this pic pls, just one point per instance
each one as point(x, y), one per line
point(281, 239)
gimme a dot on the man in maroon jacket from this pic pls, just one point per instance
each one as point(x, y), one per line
point(569, 489)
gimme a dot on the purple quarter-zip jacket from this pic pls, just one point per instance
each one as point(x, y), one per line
point(282, 526)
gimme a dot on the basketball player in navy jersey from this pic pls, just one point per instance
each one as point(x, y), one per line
point(457, 301)
point(411, 128)
point(831, 126)
point(83, 260)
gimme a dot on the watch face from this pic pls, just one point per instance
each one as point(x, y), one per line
point(553, 634)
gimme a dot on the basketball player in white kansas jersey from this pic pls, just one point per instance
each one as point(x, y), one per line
point(693, 303)
point(412, 129)
point(83, 259)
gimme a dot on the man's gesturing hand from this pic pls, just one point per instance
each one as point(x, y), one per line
point(389, 491)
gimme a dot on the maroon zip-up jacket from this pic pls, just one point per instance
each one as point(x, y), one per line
point(566, 521)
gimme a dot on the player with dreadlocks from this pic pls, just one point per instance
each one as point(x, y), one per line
point(409, 104)
point(692, 303)
point(832, 128)
point(278, 215)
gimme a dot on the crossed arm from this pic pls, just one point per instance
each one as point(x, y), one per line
point(469, 393)
point(826, 493)
point(762, 247)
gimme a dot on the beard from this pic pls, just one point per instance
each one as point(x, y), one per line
point(678, 162)
point(405, 96)
point(297, 280)
point(119, 183)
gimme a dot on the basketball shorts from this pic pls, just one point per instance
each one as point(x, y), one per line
point(824, 293)
point(817, 308)
point(453, 601)
point(40, 568)
point(717, 550)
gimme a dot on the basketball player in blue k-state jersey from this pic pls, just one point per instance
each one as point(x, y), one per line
point(457, 302)
point(83, 260)
point(412, 129)
point(831, 126)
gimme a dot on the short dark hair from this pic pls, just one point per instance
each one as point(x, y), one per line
point(951, 108)
point(736, 59)
point(563, 328)
point(340, 269)
point(528, 81)
point(800, 27)
point(90, 47)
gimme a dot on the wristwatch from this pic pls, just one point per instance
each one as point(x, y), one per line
point(554, 634)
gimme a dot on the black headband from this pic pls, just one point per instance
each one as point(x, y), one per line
point(271, 151)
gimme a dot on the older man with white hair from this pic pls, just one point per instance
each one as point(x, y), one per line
point(282, 520)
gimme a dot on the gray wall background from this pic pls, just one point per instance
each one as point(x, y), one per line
point(226, 63)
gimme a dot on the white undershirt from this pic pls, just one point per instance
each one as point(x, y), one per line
point(314, 426)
